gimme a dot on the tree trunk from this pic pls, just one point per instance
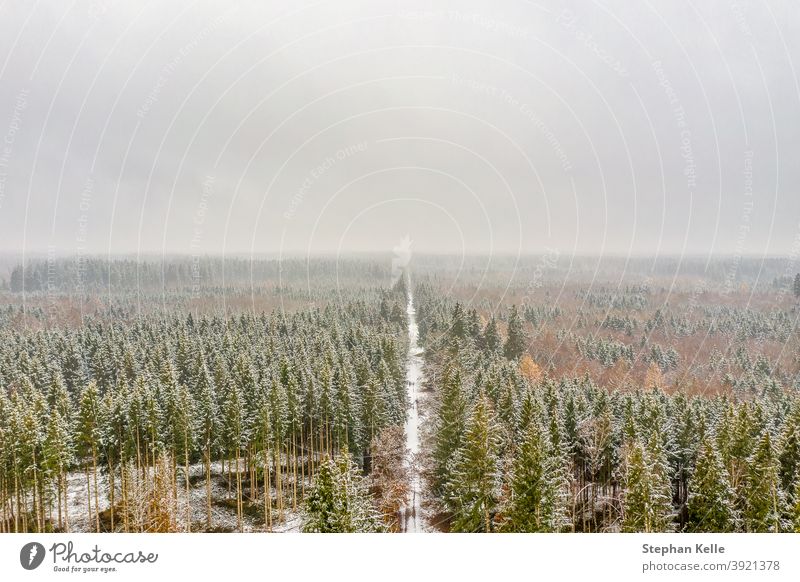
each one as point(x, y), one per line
point(239, 504)
point(208, 488)
point(186, 478)
point(267, 491)
point(96, 494)
point(88, 493)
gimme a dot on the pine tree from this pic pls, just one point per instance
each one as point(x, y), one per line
point(207, 426)
point(795, 509)
point(88, 433)
point(491, 341)
point(30, 437)
point(796, 285)
point(516, 341)
point(473, 325)
point(458, 325)
point(647, 503)
point(538, 485)
point(234, 434)
point(789, 457)
point(6, 462)
point(59, 456)
point(765, 501)
point(711, 504)
point(450, 424)
point(473, 490)
point(278, 427)
point(185, 435)
point(339, 501)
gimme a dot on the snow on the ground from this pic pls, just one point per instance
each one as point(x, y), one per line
point(223, 505)
point(411, 516)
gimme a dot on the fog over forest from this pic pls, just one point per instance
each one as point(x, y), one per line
point(310, 127)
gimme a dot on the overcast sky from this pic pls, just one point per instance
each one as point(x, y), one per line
point(514, 126)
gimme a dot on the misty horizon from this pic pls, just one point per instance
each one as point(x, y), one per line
point(307, 128)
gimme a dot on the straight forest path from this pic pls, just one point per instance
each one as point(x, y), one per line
point(411, 513)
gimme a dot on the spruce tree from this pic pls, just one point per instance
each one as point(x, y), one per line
point(88, 433)
point(339, 500)
point(208, 426)
point(789, 457)
point(711, 504)
point(765, 501)
point(473, 489)
point(516, 341)
point(647, 503)
point(795, 508)
point(450, 424)
point(184, 433)
point(233, 437)
point(458, 325)
point(538, 485)
point(491, 341)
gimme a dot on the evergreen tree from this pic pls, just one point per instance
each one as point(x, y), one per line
point(538, 485)
point(88, 440)
point(711, 504)
point(473, 325)
point(647, 503)
point(458, 325)
point(796, 285)
point(234, 433)
point(450, 425)
point(789, 457)
point(339, 500)
point(207, 426)
point(185, 435)
point(474, 485)
point(516, 341)
point(491, 341)
point(59, 455)
point(795, 509)
point(765, 501)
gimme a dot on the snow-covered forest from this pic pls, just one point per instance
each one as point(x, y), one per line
point(264, 396)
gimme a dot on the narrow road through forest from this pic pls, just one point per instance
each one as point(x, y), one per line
point(411, 514)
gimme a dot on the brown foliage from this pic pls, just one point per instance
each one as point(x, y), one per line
point(389, 473)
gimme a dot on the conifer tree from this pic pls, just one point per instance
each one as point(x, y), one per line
point(207, 427)
point(458, 325)
point(473, 325)
point(789, 456)
point(647, 503)
point(29, 433)
point(538, 485)
point(474, 485)
point(764, 502)
point(339, 500)
point(450, 425)
point(795, 508)
point(516, 341)
point(185, 435)
point(491, 341)
point(88, 439)
point(234, 435)
point(711, 504)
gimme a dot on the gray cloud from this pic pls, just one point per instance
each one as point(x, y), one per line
point(208, 127)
